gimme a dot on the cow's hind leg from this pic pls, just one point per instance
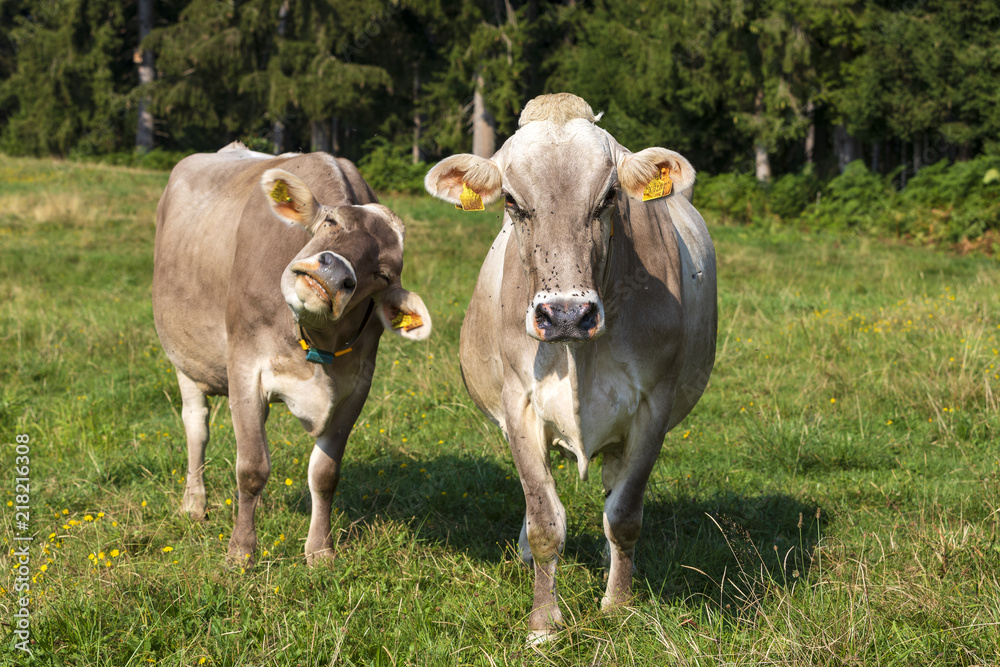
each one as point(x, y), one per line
point(194, 413)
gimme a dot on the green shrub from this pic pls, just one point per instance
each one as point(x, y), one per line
point(388, 169)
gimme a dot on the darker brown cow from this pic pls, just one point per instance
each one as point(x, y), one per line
point(267, 273)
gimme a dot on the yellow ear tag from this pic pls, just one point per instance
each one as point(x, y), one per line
point(471, 201)
point(279, 192)
point(658, 187)
point(406, 321)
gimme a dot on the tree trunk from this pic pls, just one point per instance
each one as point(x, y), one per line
point(144, 58)
point(916, 154)
point(319, 132)
point(810, 144)
point(761, 161)
point(902, 161)
point(418, 156)
point(844, 146)
point(876, 155)
point(483, 124)
point(278, 126)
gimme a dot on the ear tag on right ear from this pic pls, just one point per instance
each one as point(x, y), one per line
point(471, 201)
point(658, 187)
point(279, 192)
point(406, 321)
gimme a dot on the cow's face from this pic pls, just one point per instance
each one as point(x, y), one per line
point(561, 186)
point(356, 252)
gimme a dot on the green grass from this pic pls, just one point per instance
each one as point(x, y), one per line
point(833, 499)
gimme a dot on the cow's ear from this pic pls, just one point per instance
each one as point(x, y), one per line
point(403, 313)
point(291, 199)
point(449, 177)
point(636, 171)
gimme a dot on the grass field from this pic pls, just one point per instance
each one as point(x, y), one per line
point(833, 499)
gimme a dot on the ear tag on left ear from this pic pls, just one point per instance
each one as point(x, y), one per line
point(406, 321)
point(471, 201)
point(279, 192)
point(658, 187)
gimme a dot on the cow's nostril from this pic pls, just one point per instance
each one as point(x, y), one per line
point(349, 283)
point(543, 316)
point(325, 258)
point(590, 316)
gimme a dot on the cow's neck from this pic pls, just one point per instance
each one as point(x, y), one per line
point(337, 339)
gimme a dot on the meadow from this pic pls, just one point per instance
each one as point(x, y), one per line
point(832, 500)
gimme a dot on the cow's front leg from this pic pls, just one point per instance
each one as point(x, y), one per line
point(325, 460)
point(545, 518)
point(253, 466)
point(625, 473)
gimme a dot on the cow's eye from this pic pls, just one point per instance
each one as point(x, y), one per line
point(610, 200)
point(512, 206)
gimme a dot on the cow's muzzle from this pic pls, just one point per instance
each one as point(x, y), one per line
point(555, 319)
point(324, 283)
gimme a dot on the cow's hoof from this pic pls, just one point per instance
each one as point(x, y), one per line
point(194, 506)
point(541, 637)
point(319, 557)
point(240, 560)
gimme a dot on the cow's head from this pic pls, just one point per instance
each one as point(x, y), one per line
point(562, 179)
point(356, 252)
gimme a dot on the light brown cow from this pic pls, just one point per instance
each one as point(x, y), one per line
point(593, 323)
point(266, 274)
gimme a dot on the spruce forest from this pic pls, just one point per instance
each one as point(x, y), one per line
point(755, 87)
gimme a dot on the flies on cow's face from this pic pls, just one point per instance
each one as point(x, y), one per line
point(513, 208)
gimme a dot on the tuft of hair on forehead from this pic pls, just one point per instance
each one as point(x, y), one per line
point(558, 108)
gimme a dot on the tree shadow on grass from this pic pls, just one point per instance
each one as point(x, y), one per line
point(723, 546)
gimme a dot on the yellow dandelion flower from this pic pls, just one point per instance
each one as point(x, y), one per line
point(288, 481)
point(107, 563)
point(114, 553)
point(88, 518)
point(143, 503)
point(275, 590)
point(10, 503)
point(833, 400)
point(43, 568)
point(65, 512)
point(167, 549)
point(229, 501)
point(100, 515)
point(91, 557)
point(100, 555)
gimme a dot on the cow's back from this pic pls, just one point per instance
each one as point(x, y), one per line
point(196, 223)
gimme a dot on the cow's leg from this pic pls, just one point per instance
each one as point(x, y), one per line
point(194, 413)
point(545, 518)
point(253, 466)
point(625, 473)
point(324, 463)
